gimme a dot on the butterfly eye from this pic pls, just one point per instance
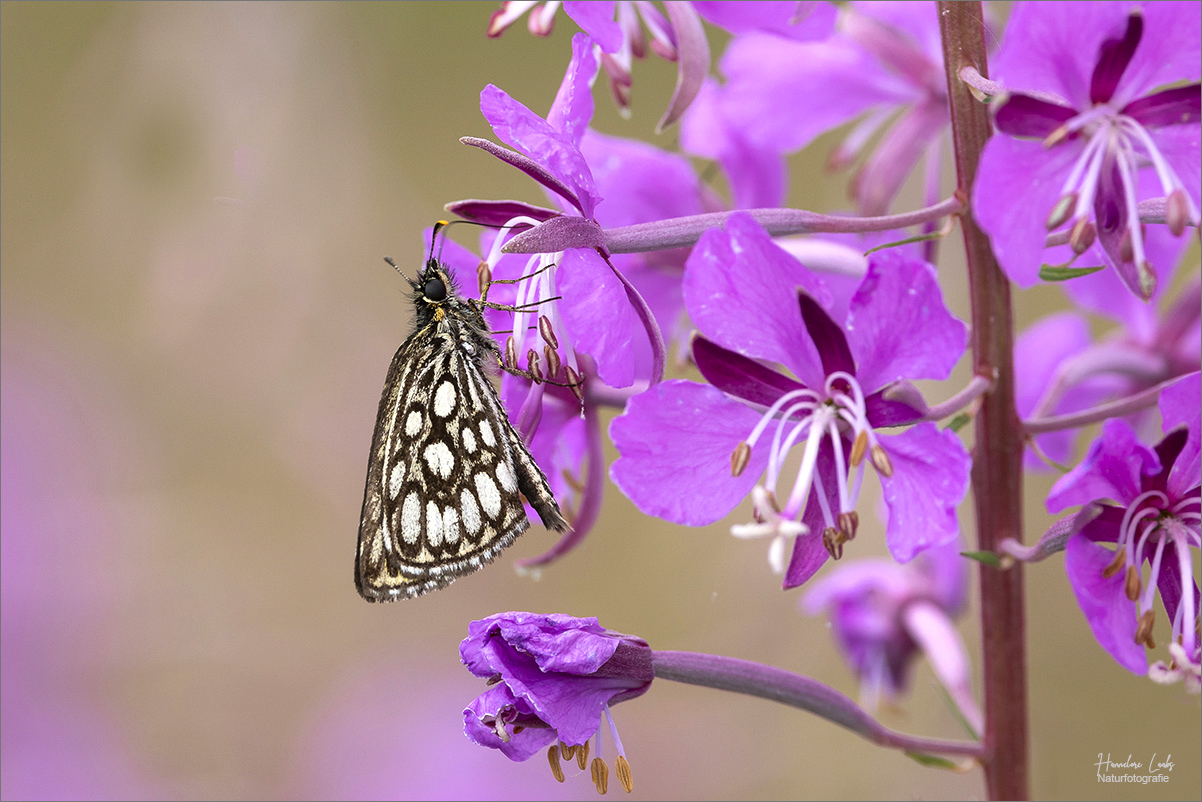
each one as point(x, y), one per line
point(435, 290)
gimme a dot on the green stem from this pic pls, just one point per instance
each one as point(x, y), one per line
point(998, 450)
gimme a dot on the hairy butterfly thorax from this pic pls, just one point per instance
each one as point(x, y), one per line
point(447, 471)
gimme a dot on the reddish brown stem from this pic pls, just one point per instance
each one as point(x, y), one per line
point(998, 450)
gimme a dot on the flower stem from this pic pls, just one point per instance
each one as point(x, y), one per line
point(1112, 409)
point(778, 685)
point(997, 463)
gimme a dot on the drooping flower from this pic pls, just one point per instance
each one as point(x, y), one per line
point(1146, 501)
point(883, 614)
point(680, 442)
point(553, 677)
point(1088, 130)
point(882, 66)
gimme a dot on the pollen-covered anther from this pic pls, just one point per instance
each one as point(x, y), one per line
point(849, 522)
point(1062, 211)
point(1057, 136)
point(547, 332)
point(1082, 236)
point(1147, 279)
point(740, 458)
point(832, 541)
point(572, 379)
point(600, 775)
point(582, 755)
point(1116, 565)
point(493, 680)
point(483, 277)
point(622, 772)
point(1143, 630)
point(858, 447)
point(1131, 584)
point(881, 461)
point(511, 353)
point(1177, 212)
point(532, 365)
point(553, 759)
point(553, 362)
point(566, 752)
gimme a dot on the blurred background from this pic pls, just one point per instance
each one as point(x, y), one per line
point(189, 389)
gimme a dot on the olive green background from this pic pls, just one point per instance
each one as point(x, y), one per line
point(194, 384)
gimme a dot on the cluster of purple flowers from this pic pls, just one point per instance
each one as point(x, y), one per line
point(807, 349)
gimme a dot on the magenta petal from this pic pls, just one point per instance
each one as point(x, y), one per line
point(1113, 469)
point(572, 109)
point(809, 553)
point(803, 21)
point(808, 556)
point(498, 213)
point(521, 746)
point(1038, 353)
point(692, 63)
point(895, 404)
point(739, 376)
point(888, 166)
point(1169, 581)
point(898, 325)
point(596, 18)
point(828, 338)
point(599, 316)
point(1167, 52)
point(525, 164)
point(1171, 107)
point(1023, 115)
point(1113, 57)
point(675, 442)
point(930, 479)
point(1179, 406)
point(741, 291)
point(1109, 613)
point(641, 183)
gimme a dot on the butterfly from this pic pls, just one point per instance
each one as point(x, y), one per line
point(447, 471)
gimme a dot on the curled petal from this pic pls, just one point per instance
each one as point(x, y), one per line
point(739, 376)
point(693, 64)
point(526, 165)
point(498, 213)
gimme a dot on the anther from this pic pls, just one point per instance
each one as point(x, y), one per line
point(511, 353)
point(600, 775)
point(483, 278)
point(548, 333)
point(880, 461)
point(535, 370)
point(1177, 212)
point(574, 383)
point(832, 541)
point(849, 522)
point(1143, 630)
point(582, 755)
point(1116, 565)
point(1082, 236)
point(553, 363)
point(553, 759)
point(1057, 136)
point(1062, 211)
point(1147, 279)
point(622, 770)
point(566, 752)
point(858, 447)
point(493, 680)
point(1126, 246)
point(1131, 585)
point(740, 458)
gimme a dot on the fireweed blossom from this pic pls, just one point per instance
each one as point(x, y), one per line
point(690, 452)
point(1087, 131)
point(1146, 501)
point(553, 678)
point(1059, 368)
point(883, 615)
point(882, 66)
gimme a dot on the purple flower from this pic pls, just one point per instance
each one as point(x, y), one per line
point(883, 614)
point(553, 677)
point(1147, 502)
point(680, 442)
point(1091, 133)
point(883, 65)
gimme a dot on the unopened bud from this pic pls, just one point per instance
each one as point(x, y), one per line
point(600, 775)
point(574, 382)
point(483, 278)
point(1082, 236)
point(532, 366)
point(1062, 211)
point(1131, 585)
point(582, 755)
point(547, 331)
point(849, 522)
point(858, 447)
point(740, 458)
point(1116, 565)
point(832, 541)
point(1177, 212)
point(553, 759)
point(622, 771)
point(1143, 630)
point(880, 461)
point(553, 363)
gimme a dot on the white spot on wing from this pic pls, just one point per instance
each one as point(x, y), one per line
point(395, 478)
point(490, 497)
point(444, 400)
point(440, 459)
point(411, 519)
point(471, 513)
point(450, 525)
point(486, 434)
point(413, 423)
point(505, 477)
point(469, 440)
point(433, 524)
